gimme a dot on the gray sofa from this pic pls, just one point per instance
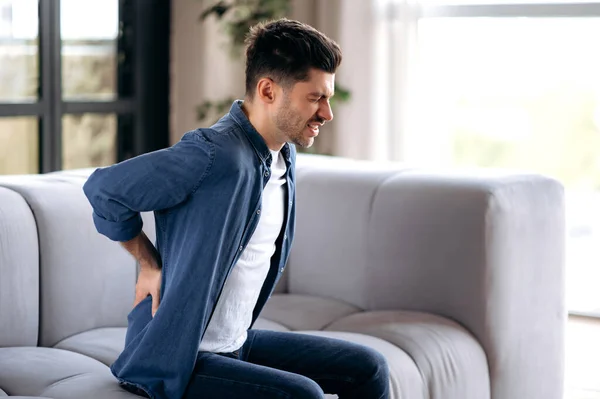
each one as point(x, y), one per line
point(456, 277)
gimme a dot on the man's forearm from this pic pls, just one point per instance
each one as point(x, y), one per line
point(142, 249)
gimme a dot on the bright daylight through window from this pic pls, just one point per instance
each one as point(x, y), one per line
point(503, 90)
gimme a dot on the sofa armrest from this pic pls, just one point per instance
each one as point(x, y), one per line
point(486, 251)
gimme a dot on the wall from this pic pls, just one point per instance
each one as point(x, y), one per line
point(200, 69)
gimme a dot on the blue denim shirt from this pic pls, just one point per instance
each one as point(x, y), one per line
point(205, 192)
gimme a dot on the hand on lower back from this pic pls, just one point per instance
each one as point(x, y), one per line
point(142, 249)
point(148, 284)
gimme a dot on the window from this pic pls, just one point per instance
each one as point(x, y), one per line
point(20, 146)
point(19, 51)
point(517, 87)
point(80, 86)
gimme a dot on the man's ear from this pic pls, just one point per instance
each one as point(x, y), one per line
point(266, 90)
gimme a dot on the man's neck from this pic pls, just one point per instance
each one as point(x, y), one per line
point(262, 125)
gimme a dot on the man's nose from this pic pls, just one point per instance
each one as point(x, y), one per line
point(325, 112)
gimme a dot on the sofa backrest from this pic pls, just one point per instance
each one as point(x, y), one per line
point(19, 272)
point(331, 255)
point(86, 280)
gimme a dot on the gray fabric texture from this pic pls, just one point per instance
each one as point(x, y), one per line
point(19, 272)
point(483, 248)
point(487, 251)
point(265, 324)
point(451, 362)
point(339, 203)
point(301, 312)
point(56, 374)
point(87, 280)
point(102, 344)
point(458, 279)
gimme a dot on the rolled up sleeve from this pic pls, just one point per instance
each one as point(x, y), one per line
point(149, 182)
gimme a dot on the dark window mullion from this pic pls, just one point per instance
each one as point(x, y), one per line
point(21, 109)
point(151, 39)
point(57, 111)
point(125, 79)
point(50, 90)
point(45, 11)
point(124, 106)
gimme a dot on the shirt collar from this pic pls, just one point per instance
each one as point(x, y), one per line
point(258, 142)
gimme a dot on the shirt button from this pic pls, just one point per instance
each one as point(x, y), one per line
point(290, 203)
point(285, 236)
point(267, 173)
point(241, 247)
point(258, 212)
point(281, 270)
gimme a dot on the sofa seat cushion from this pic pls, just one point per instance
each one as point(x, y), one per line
point(305, 312)
point(450, 361)
point(5, 395)
point(102, 344)
point(265, 324)
point(57, 374)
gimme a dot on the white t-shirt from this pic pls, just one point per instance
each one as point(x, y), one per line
point(227, 329)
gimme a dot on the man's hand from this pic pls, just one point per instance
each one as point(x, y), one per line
point(148, 284)
point(149, 279)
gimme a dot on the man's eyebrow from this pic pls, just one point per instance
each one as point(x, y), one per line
point(319, 94)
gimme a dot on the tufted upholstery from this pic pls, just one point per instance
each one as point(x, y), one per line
point(456, 277)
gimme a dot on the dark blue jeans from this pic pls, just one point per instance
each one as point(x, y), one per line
point(288, 365)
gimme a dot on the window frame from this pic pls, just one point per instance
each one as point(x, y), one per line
point(531, 10)
point(142, 101)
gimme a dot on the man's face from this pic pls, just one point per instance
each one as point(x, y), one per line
point(304, 107)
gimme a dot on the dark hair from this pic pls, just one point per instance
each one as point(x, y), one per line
point(285, 51)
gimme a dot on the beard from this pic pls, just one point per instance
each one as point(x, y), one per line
point(291, 125)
